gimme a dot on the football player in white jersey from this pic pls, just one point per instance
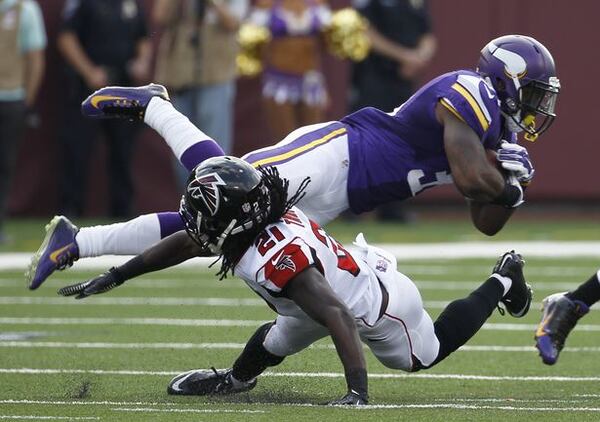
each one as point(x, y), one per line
point(316, 286)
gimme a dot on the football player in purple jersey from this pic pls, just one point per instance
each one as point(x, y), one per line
point(442, 134)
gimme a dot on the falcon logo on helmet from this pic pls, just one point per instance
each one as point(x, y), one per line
point(206, 188)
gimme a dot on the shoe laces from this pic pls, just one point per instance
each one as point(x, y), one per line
point(223, 378)
point(124, 108)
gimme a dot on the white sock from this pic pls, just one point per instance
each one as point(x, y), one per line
point(129, 238)
point(505, 281)
point(176, 129)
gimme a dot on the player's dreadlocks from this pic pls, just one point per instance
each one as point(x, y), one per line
point(234, 247)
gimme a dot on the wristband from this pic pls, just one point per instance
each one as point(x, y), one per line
point(118, 276)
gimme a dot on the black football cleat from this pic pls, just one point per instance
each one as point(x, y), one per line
point(518, 298)
point(201, 382)
point(559, 315)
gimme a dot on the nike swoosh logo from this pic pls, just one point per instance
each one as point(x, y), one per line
point(490, 94)
point(176, 384)
point(97, 99)
point(540, 329)
point(276, 260)
point(54, 255)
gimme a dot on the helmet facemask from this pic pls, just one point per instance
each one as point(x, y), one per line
point(211, 232)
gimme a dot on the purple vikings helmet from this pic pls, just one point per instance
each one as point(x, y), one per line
point(522, 72)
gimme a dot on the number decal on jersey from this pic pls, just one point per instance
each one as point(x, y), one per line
point(418, 181)
point(267, 239)
point(345, 261)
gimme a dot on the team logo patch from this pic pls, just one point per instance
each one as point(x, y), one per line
point(382, 265)
point(284, 262)
point(206, 189)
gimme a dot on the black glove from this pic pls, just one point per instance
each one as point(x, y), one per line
point(350, 399)
point(101, 284)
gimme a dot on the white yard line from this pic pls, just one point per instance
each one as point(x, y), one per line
point(398, 375)
point(239, 346)
point(466, 405)
point(218, 323)
point(459, 407)
point(50, 418)
point(413, 251)
point(151, 410)
point(382, 407)
point(134, 321)
point(88, 403)
point(128, 301)
point(175, 301)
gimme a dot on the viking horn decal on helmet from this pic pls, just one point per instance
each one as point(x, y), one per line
point(514, 64)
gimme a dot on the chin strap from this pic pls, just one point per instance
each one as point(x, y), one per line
point(216, 248)
point(529, 123)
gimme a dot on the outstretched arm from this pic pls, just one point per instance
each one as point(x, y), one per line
point(170, 251)
point(312, 293)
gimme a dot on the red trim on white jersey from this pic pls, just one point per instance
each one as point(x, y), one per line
point(287, 263)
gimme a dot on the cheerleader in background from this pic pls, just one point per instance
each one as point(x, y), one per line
point(293, 86)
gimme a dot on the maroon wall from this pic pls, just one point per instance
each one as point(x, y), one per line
point(564, 157)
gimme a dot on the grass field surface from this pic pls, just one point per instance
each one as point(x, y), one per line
point(110, 357)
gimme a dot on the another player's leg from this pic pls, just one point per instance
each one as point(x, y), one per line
point(191, 146)
point(463, 318)
point(408, 329)
point(560, 313)
point(151, 104)
point(65, 243)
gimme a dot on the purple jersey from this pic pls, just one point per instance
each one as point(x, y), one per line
point(396, 155)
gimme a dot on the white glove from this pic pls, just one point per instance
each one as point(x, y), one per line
point(515, 159)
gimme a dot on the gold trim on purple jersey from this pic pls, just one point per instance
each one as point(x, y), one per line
point(297, 147)
point(479, 112)
point(446, 103)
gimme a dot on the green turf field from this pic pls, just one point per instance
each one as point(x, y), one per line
point(110, 357)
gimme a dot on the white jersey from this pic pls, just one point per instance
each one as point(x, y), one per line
point(288, 247)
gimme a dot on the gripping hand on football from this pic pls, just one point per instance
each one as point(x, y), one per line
point(352, 398)
point(101, 284)
point(515, 159)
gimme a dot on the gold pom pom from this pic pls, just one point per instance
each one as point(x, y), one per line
point(250, 39)
point(346, 35)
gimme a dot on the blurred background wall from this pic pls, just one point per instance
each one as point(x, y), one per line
point(565, 157)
